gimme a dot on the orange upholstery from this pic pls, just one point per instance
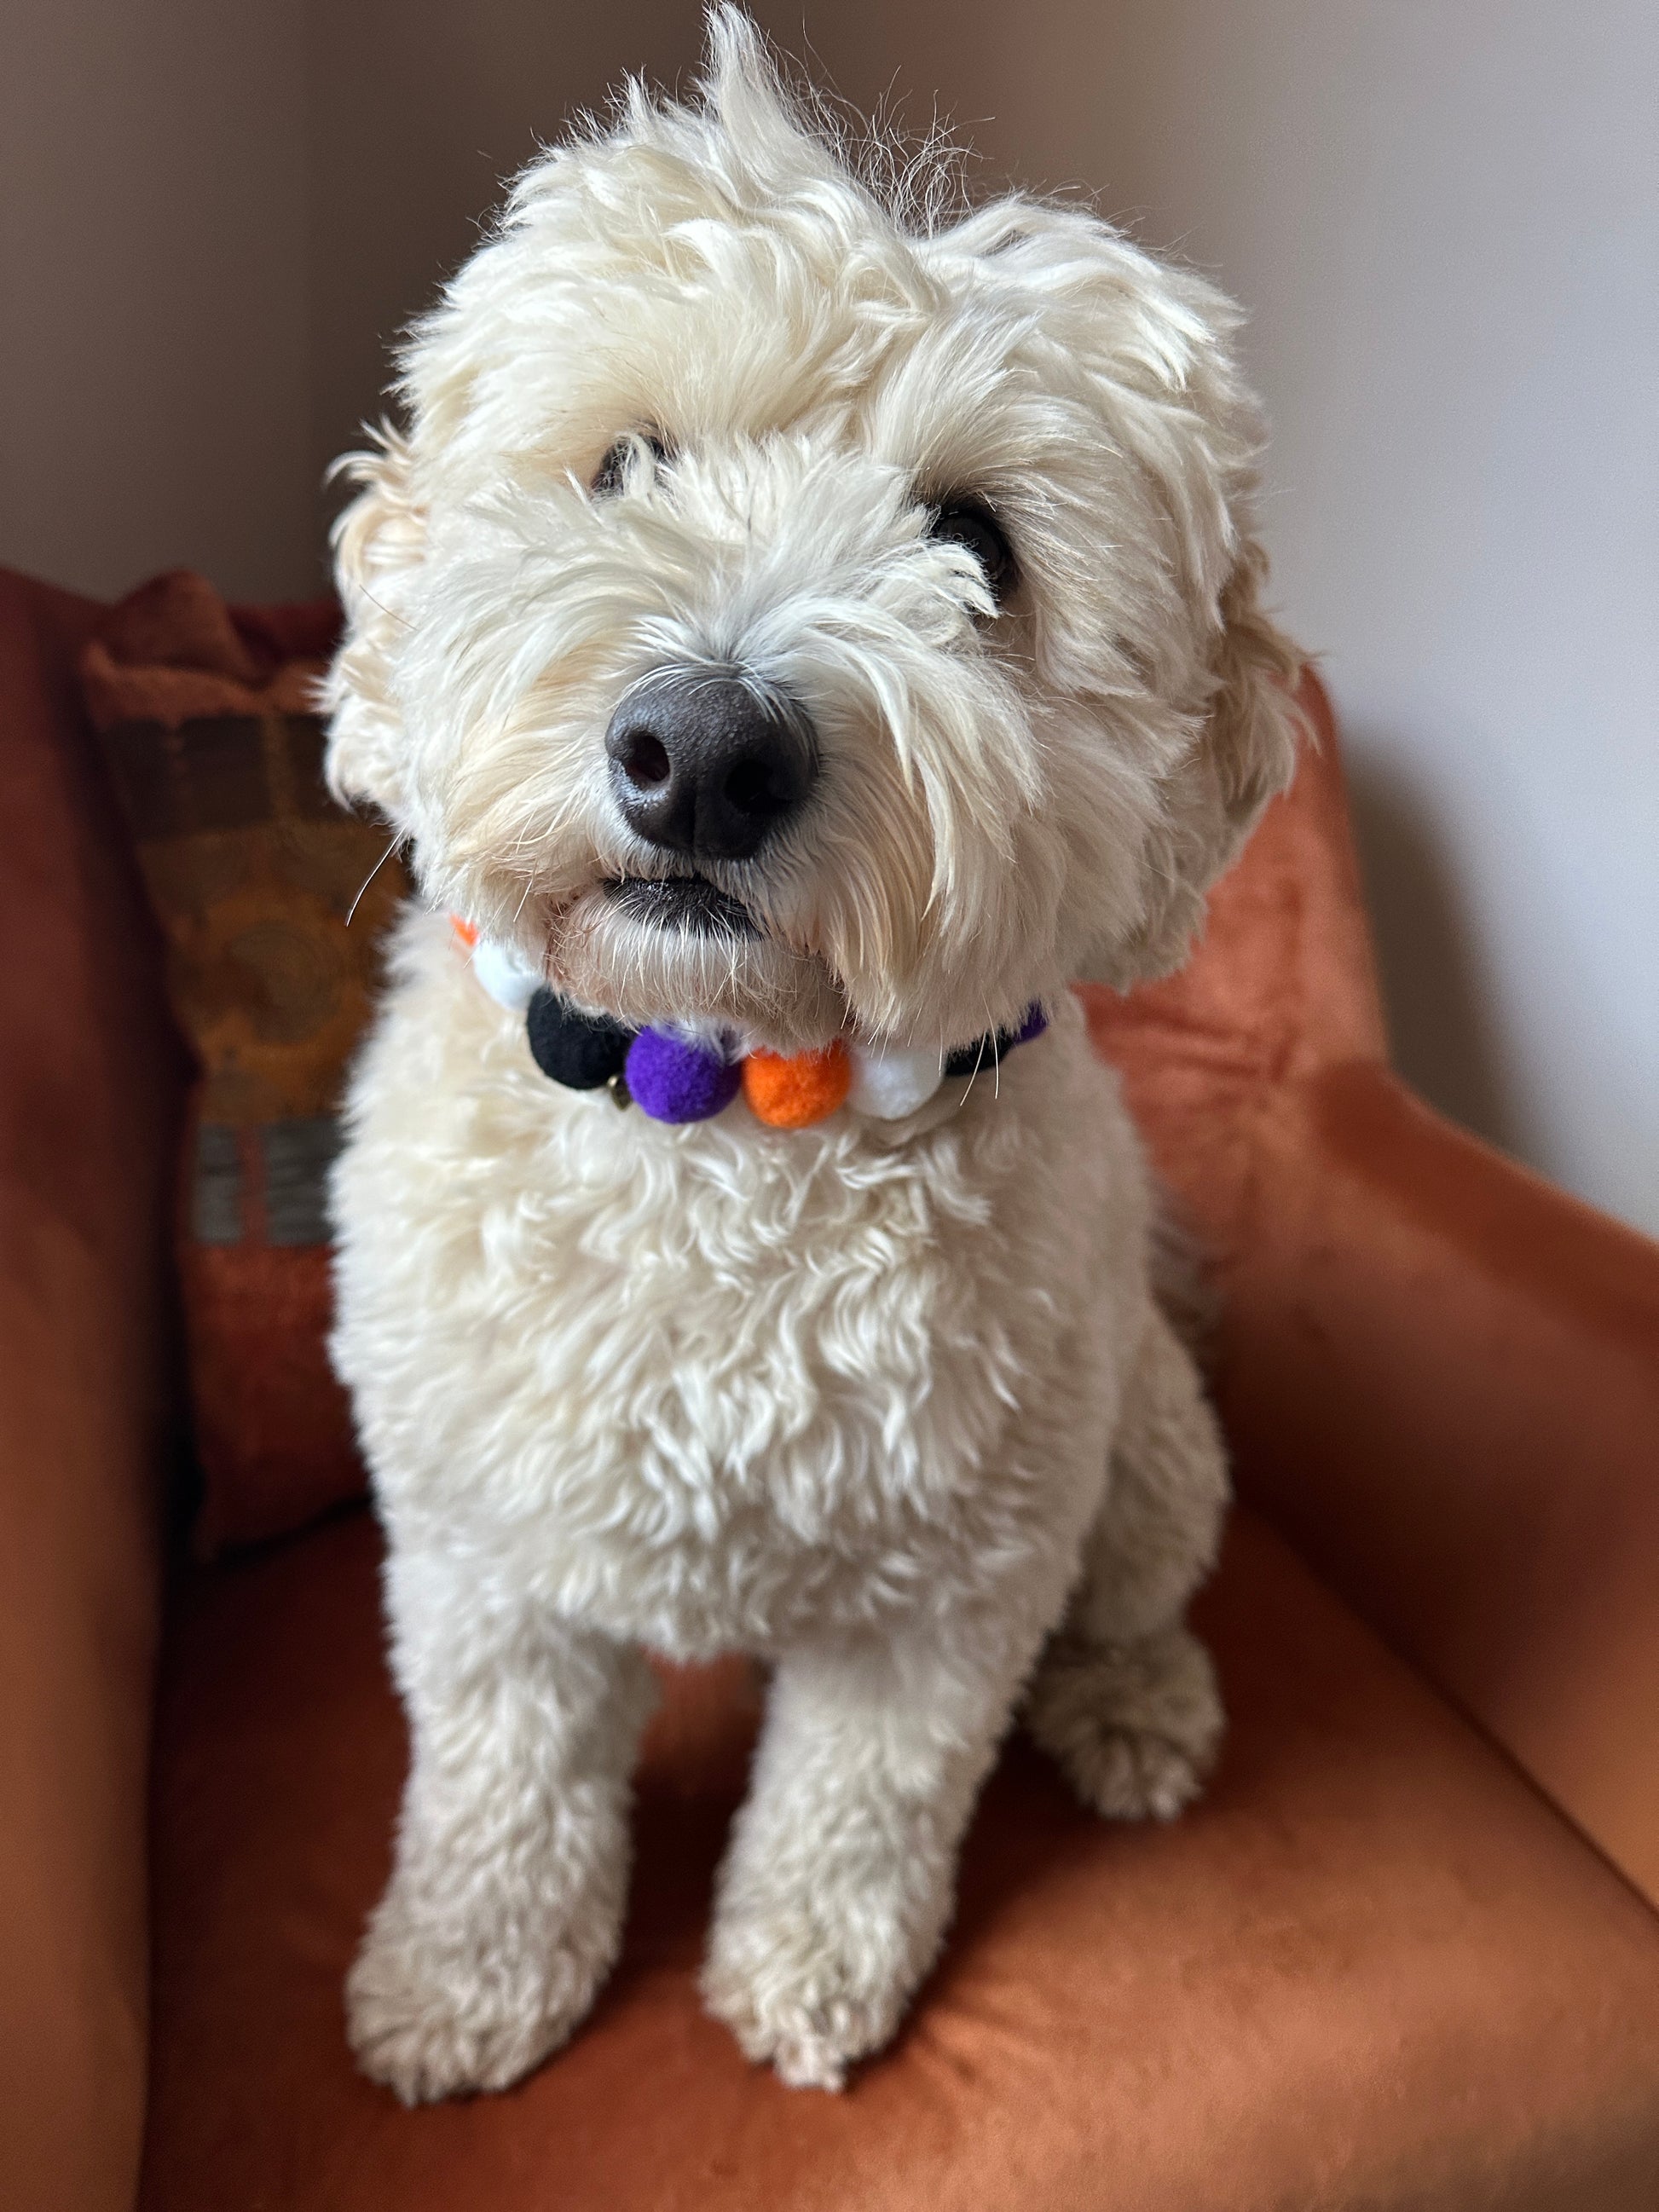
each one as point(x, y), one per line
point(1441, 1379)
point(88, 1107)
point(1377, 1967)
point(1440, 1375)
point(1373, 1967)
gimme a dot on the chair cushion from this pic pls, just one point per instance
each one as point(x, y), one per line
point(1372, 1968)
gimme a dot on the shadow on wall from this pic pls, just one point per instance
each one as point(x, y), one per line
point(1444, 1041)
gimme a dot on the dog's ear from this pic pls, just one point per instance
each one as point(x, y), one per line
point(379, 543)
point(1250, 741)
point(1164, 458)
point(1208, 803)
point(1245, 753)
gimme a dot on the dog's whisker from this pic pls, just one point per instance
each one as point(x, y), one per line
point(362, 887)
point(390, 613)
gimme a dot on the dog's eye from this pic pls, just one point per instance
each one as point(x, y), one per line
point(970, 523)
point(608, 477)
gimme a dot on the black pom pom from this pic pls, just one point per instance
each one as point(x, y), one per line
point(581, 1051)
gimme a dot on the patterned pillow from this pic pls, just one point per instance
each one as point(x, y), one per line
point(207, 721)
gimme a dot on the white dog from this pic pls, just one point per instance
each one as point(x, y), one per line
point(785, 622)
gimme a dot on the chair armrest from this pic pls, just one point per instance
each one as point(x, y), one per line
point(1441, 1376)
point(89, 1094)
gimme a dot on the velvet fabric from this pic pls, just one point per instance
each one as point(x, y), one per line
point(90, 1098)
point(1372, 1968)
point(1438, 1373)
point(1441, 1377)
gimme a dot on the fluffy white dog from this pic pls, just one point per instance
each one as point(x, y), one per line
point(791, 614)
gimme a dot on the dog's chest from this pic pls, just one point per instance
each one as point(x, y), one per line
point(700, 1382)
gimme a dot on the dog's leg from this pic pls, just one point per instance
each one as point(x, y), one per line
point(505, 1906)
point(840, 1875)
point(1126, 1698)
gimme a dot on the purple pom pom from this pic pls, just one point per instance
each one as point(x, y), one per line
point(672, 1081)
point(1033, 1025)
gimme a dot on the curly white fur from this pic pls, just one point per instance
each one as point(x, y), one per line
point(875, 1401)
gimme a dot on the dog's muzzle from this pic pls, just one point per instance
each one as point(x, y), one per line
point(704, 764)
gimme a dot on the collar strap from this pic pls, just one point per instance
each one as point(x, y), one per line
point(673, 1079)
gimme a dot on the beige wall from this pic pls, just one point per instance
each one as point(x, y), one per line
point(1443, 218)
point(420, 109)
point(155, 351)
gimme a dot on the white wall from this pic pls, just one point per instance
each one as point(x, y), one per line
point(1444, 218)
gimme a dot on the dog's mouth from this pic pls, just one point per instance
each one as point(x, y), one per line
point(647, 949)
point(689, 904)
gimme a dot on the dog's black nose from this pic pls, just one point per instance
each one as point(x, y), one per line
point(702, 764)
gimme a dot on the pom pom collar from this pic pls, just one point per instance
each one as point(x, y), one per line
point(673, 1078)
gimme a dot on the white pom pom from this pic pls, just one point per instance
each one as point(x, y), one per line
point(509, 982)
point(888, 1085)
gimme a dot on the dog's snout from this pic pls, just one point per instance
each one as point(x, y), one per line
point(707, 767)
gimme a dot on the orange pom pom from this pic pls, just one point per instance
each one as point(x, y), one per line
point(793, 1093)
point(467, 931)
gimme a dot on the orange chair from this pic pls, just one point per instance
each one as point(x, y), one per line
point(1405, 1954)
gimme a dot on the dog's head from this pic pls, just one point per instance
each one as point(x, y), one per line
point(782, 612)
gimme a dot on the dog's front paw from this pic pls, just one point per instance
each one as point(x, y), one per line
point(804, 1997)
point(1134, 1726)
point(430, 2014)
